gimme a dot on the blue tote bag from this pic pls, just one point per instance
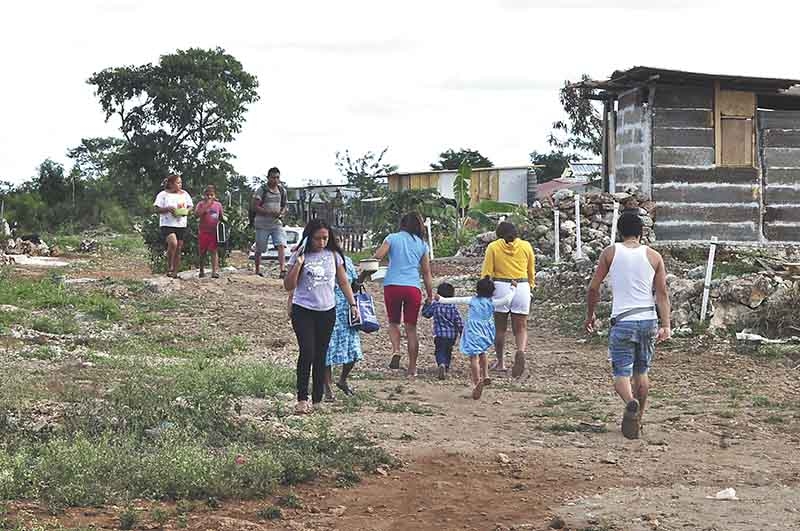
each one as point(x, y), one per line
point(366, 308)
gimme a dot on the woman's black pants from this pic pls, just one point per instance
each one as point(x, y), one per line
point(313, 330)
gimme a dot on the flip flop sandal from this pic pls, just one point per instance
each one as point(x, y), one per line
point(395, 363)
point(478, 391)
point(214, 275)
point(494, 367)
point(519, 364)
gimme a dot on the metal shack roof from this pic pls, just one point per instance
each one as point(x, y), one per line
point(622, 80)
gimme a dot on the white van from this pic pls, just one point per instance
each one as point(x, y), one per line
point(293, 235)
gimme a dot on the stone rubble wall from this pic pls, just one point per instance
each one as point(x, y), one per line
point(597, 212)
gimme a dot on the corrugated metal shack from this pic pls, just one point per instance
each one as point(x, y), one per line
point(507, 184)
point(720, 155)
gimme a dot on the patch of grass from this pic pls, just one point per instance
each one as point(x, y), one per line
point(125, 243)
point(43, 353)
point(354, 403)
point(44, 294)
point(777, 352)
point(405, 407)
point(572, 427)
point(347, 478)
point(61, 324)
point(12, 317)
point(734, 268)
point(159, 516)
point(560, 399)
point(173, 346)
point(368, 375)
point(727, 414)
point(761, 401)
point(128, 518)
point(269, 513)
point(290, 501)
point(775, 419)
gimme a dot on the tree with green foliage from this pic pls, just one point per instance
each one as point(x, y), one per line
point(427, 202)
point(367, 172)
point(549, 166)
point(582, 131)
point(177, 115)
point(451, 160)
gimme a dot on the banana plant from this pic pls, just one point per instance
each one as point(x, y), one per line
point(461, 193)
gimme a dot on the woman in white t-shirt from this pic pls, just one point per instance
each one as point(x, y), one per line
point(173, 204)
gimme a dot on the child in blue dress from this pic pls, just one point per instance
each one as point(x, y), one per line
point(479, 329)
point(344, 347)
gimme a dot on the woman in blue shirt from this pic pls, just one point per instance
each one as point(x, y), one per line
point(408, 256)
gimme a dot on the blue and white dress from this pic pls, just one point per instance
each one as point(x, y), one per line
point(479, 331)
point(345, 344)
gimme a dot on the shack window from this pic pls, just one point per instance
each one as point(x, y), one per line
point(734, 112)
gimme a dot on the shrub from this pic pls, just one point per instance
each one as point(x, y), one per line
point(239, 238)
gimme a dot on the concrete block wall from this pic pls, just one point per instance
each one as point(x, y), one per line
point(695, 199)
point(632, 151)
point(779, 147)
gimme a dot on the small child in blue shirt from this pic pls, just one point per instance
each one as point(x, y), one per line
point(447, 325)
point(479, 332)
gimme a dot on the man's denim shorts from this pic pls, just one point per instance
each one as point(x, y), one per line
point(631, 345)
point(277, 234)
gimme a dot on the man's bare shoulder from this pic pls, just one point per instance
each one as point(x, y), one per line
point(608, 253)
point(654, 257)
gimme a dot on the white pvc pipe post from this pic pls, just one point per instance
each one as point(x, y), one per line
point(578, 242)
point(614, 221)
point(707, 284)
point(556, 228)
point(430, 235)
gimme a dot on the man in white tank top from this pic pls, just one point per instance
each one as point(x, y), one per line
point(635, 272)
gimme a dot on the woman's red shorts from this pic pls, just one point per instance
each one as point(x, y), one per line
point(405, 300)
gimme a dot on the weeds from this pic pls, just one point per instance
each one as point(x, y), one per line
point(347, 479)
point(128, 518)
point(290, 501)
point(269, 513)
point(405, 407)
point(44, 294)
point(159, 516)
point(62, 324)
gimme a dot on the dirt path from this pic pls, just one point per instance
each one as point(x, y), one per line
point(548, 444)
point(543, 446)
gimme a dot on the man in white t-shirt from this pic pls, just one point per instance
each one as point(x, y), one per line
point(635, 271)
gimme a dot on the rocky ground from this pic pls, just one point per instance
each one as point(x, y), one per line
point(543, 451)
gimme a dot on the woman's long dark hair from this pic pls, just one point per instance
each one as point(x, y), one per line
point(412, 224)
point(316, 224)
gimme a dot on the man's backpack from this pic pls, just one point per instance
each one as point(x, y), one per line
point(251, 212)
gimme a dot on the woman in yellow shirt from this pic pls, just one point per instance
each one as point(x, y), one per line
point(508, 259)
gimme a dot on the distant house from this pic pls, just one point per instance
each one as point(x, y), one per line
point(583, 170)
point(506, 184)
point(719, 154)
point(320, 201)
point(580, 177)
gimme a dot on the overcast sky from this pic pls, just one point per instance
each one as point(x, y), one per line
point(416, 76)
